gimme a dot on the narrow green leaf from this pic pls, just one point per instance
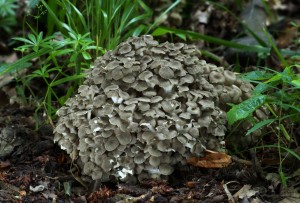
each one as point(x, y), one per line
point(283, 179)
point(194, 35)
point(278, 146)
point(62, 52)
point(86, 55)
point(276, 77)
point(263, 87)
point(23, 40)
point(279, 54)
point(19, 64)
point(23, 62)
point(296, 83)
point(244, 109)
point(32, 38)
point(256, 75)
point(137, 31)
point(158, 20)
point(55, 19)
point(136, 19)
point(40, 37)
point(260, 125)
point(80, 16)
point(66, 79)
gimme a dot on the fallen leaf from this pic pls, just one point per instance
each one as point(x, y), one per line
point(3, 175)
point(22, 193)
point(228, 193)
point(103, 193)
point(245, 192)
point(38, 188)
point(191, 184)
point(291, 195)
point(49, 195)
point(4, 164)
point(212, 160)
point(43, 159)
point(25, 180)
point(9, 58)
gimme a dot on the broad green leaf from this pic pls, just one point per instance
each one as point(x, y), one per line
point(67, 188)
point(260, 125)
point(244, 109)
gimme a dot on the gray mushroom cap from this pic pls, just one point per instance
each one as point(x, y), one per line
point(144, 107)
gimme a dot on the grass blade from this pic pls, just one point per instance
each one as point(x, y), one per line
point(194, 35)
point(66, 79)
point(260, 125)
point(163, 14)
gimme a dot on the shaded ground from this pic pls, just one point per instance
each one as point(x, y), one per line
point(36, 170)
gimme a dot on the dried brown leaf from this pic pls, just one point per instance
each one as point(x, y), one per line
point(212, 160)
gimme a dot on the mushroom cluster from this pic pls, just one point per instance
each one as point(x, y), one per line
point(144, 107)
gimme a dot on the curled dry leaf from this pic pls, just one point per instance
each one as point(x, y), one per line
point(212, 160)
point(4, 164)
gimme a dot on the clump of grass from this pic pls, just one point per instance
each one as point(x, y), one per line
point(109, 22)
point(77, 32)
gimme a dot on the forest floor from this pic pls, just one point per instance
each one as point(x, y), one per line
point(37, 170)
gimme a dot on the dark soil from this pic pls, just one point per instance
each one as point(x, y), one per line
point(37, 170)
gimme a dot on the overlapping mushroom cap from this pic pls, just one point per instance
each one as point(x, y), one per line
point(145, 107)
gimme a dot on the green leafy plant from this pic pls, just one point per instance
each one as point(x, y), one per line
point(279, 92)
point(7, 14)
point(84, 30)
point(49, 52)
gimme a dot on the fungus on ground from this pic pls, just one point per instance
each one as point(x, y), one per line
point(145, 107)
